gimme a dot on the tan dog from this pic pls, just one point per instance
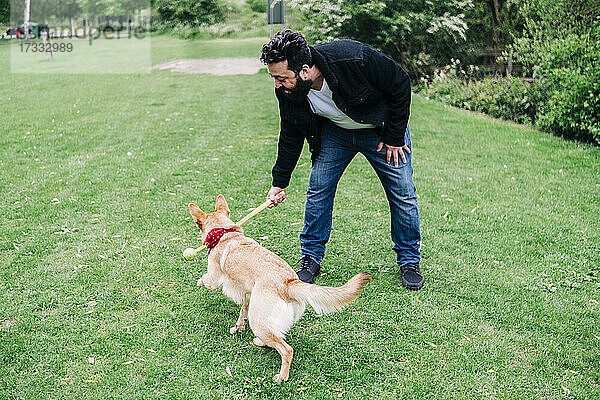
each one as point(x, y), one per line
point(269, 291)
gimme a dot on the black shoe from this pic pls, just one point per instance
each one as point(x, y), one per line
point(308, 270)
point(411, 276)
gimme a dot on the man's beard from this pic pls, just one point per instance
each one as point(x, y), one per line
point(299, 92)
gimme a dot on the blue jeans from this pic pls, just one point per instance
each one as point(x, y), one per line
point(338, 148)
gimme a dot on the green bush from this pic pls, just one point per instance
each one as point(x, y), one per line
point(174, 13)
point(561, 46)
point(417, 33)
point(564, 98)
point(4, 11)
point(240, 24)
point(259, 6)
point(570, 66)
point(508, 98)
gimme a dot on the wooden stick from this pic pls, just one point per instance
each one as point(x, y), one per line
point(255, 211)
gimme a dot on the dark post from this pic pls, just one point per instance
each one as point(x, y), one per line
point(275, 13)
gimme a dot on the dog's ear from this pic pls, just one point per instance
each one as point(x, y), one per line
point(198, 215)
point(221, 205)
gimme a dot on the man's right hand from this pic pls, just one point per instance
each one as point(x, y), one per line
point(276, 195)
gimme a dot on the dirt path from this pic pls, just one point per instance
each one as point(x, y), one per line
point(214, 66)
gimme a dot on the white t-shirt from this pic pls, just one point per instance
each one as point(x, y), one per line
point(321, 103)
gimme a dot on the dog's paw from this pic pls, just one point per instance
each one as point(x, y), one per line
point(258, 342)
point(199, 283)
point(280, 378)
point(236, 329)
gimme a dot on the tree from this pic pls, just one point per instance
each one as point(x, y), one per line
point(494, 23)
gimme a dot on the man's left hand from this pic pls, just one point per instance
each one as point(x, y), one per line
point(394, 151)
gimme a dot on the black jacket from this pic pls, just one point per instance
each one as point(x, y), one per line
point(367, 85)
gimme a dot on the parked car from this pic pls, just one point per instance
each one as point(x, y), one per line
point(19, 31)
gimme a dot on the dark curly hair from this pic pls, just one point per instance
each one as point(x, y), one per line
point(287, 45)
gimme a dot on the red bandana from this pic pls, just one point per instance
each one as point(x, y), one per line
point(215, 234)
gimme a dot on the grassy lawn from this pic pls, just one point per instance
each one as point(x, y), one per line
point(97, 302)
point(118, 56)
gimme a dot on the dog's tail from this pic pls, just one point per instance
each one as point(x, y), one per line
point(326, 299)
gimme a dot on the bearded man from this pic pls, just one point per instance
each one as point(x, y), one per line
point(344, 98)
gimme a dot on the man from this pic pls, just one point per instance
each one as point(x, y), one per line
point(343, 97)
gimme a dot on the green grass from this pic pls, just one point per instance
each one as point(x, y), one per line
point(97, 302)
point(119, 56)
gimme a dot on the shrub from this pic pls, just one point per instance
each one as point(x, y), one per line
point(190, 12)
point(4, 11)
point(570, 66)
point(563, 99)
point(508, 98)
point(561, 44)
point(259, 6)
point(415, 32)
point(240, 23)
